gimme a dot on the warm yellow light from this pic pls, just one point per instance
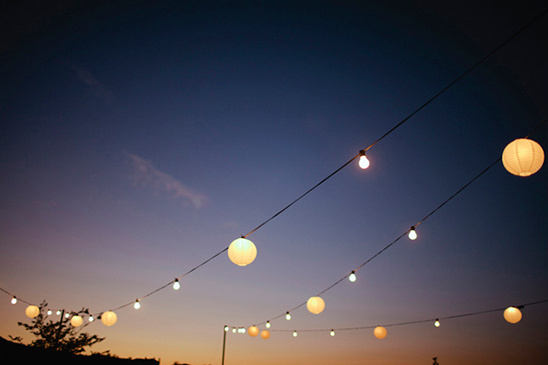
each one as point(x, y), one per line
point(380, 332)
point(265, 334)
point(109, 318)
point(267, 325)
point(294, 333)
point(76, 321)
point(315, 305)
point(176, 285)
point(512, 315)
point(14, 300)
point(32, 311)
point(332, 333)
point(288, 316)
point(253, 331)
point(242, 251)
point(437, 323)
point(412, 234)
point(226, 328)
point(363, 162)
point(137, 305)
point(523, 157)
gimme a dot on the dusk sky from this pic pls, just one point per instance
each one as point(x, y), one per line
point(138, 139)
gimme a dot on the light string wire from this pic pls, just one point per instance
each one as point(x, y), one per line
point(456, 316)
point(406, 232)
point(483, 59)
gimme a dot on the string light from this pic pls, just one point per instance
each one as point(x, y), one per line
point(67, 315)
point(363, 162)
point(294, 333)
point(50, 312)
point(137, 305)
point(176, 285)
point(380, 332)
point(288, 316)
point(352, 277)
point(512, 315)
point(412, 234)
point(332, 333)
point(226, 328)
point(76, 321)
point(437, 323)
point(265, 334)
point(267, 325)
point(14, 300)
point(58, 313)
point(91, 319)
point(253, 331)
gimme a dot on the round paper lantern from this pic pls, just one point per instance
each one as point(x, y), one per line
point(380, 332)
point(265, 334)
point(512, 314)
point(109, 318)
point(76, 321)
point(242, 251)
point(32, 311)
point(523, 157)
point(253, 331)
point(315, 305)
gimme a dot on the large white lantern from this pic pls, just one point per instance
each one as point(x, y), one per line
point(32, 311)
point(265, 334)
point(109, 318)
point(253, 331)
point(242, 251)
point(380, 332)
point(512, 314)
point(523, 157)
point(315, 305)
point(76, 321)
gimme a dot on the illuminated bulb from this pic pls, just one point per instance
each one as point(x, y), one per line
point(109, 318)
point(67, 315)
point(226, 328)
point(363, 162)
point(294, 333)
point(76, 321)
point(379, 332)
point(49, 312)
point(437, 323)
point(288, 316)
point(176, 285)
point(14, 300)
point(58, 313)
point(352, 276)
point(332, 333)
point(234, 330)
point(91, 319)
point(267, 325)
point(412, 234)
point(137, 305)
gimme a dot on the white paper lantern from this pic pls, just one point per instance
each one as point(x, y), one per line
point(32, 311)
point(523, 157)
point(109, 318)
point(315, 305)
point(76, 321)
point(380, 332)
point(512, 315)
point(242, 251)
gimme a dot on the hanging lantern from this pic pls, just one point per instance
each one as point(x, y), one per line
point(76, 321)
point(242, 251)
point(315, 305)
point(265, 334)
point(380, 332)
point(32, 311)
point(523, 157)
point(253, 331)
point(109, 318)
point(512, 315)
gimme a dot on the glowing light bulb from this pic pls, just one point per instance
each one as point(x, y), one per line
point(288, 316)
point(363, 162)
point(14, 300)
point(332, 333)
point(294, 333)
point(412, 234)
point(137, 305)
point(91, 319)
point(49, 312)
point(437, 323)
point(67, 315)
point(267, 325)
point(234, 330)
point(352, 276)
point(176, 285)
point(226, 328)
point(58, 313)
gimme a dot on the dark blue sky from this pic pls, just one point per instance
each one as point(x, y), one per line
point(139, 139)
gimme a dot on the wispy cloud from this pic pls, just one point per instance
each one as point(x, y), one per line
point(98, 89)
point(145, 174)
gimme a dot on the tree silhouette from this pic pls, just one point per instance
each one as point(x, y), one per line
point(58, 335)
